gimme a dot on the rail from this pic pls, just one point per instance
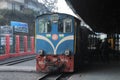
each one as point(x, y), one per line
point(56, 76)
point(8, 54)
point(17, 60)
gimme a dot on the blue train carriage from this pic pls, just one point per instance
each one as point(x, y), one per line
point(57, 42)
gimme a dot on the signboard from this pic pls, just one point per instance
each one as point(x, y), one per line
point(20, 26)
point(6, 30)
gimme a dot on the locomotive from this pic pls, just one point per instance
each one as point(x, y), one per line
point(61, 42)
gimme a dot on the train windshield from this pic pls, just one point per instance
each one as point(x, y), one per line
point(44, 26)
point(65, 26)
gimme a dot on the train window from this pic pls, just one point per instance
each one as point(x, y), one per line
point(41, 26)
point(44, 26)
point(49, 27)
point(60, 26)
point(67, 25)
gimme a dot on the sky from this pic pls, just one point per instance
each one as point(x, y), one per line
point(63, 7)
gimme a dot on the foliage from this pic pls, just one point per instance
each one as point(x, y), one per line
point(50, 4)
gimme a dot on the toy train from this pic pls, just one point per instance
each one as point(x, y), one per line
point(61, 42)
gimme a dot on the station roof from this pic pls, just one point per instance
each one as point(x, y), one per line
point(100, 15)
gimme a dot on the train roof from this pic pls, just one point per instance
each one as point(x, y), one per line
point(50, 13)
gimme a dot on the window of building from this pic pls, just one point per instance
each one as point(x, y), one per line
point(21, 7)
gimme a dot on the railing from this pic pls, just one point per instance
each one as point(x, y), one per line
point(7, 51)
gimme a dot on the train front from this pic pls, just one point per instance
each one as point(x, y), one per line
point(55, 43)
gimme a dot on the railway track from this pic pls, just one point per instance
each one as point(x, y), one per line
point(50, 77)
point(17, 60)
point(57, 76)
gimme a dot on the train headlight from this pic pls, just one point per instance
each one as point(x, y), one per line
point(67, 52)
point(41, 52)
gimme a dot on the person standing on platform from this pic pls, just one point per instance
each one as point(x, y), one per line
point(105, 50)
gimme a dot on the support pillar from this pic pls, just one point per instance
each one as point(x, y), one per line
point(17, 44)
point(25, 44)
point(32, 44)
point(7, 45)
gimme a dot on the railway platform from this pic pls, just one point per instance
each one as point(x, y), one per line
point(20, 75)
point(98, 72)
point(17, 69)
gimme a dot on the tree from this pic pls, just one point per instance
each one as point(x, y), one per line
point(50, 4)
